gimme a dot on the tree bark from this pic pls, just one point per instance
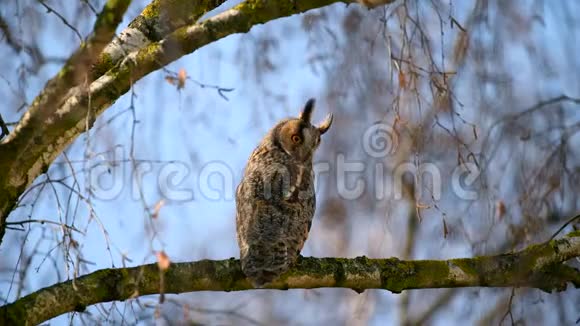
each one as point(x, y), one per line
point(538, 266)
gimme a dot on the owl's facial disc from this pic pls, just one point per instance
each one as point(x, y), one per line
point(298, 137)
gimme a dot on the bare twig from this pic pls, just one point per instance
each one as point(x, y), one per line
point(219, 89)
point(509, 309)
point(61, 17)
point(564, 226)
point(22, 222)
point(3, 128)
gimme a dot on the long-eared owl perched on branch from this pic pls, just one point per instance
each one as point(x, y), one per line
point(275, 200)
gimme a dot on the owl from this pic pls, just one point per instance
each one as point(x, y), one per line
point(275, 200)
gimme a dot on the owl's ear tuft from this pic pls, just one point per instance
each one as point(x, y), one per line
point(306, 113)
point(325, 125)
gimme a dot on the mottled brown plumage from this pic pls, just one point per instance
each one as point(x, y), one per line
point(275, 201)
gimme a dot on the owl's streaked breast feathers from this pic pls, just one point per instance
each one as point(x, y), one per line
point(275, 201)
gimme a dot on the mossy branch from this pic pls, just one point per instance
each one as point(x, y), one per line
point(157, 20)
point(538, 266)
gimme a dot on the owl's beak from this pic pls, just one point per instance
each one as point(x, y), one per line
point(325, 125)
point(306, 113)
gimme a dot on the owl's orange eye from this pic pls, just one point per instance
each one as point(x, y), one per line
point(296, 139)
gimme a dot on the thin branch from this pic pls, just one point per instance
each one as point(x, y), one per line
point(3, 128)
point(42, 134)
point(174, 78)
point(564, 226)
point(542, 104)
point(8, 35)
point(45, 222)
point(538, 266)
point(44, 108)
point(509, 309)
point(90, 6)
point(61, 17)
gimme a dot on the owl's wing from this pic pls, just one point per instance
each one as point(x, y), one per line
point(261, 226)
point(272, 225)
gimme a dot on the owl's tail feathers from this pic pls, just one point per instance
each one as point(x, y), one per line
point(263, 266)
point(260, 276)
point(261, 279)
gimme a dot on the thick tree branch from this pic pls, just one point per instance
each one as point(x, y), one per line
point(24, 150)
point(158, 19)
point(50, 126)
point(539, 266)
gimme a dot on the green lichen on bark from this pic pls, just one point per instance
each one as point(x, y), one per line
point(103, 63)
point(157, 21)
point(573, 234)
point(398, 275)
point(468, 266)
point(543, 263)
point(263, 11)
point(161, 17)
point(111, 15)
point(228, 273)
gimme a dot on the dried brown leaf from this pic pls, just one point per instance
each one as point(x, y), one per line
point(157, 208)
point(163, 260)
point(402, 80)
point(501, 209)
